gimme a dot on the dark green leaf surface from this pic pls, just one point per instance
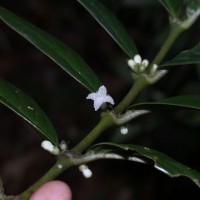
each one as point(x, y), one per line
point(64, 56)
point(177, 102)
point(174, 7)
point(191, 56)
point(28, 109)
point(111, 24)
point(136, 153)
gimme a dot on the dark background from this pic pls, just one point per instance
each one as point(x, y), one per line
point(176, 133)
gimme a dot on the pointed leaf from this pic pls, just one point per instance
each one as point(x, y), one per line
point(136, 153)
point(191, 56)
point(64, 56)
point(177, 102)
point(111, 24)
point(28, 109)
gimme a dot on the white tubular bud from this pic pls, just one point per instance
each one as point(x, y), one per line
point(48, 146)
point(123, 130)
point(131, 63)
point(63, 145)
point(153, 69)
point(137, 59)
point(87, 173)
point(145, 63)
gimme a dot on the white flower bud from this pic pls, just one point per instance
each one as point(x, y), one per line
point(123, 130)
point(153, 69)
point(87, 173)
point(145, 63)
point(63, 145)
point(48, 146)
point(137, 59)
point(131, 63)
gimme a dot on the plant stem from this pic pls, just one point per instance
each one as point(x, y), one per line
point(106, 120)
point(174, 33)
point(103, 124)
point(137, 87)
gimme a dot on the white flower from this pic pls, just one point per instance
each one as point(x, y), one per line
point(100, 97)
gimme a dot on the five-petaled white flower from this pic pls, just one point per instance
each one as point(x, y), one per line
point(100, 97)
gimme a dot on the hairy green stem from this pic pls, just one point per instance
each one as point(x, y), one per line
point(103, 124)
point(174, 33)
point(137, 87)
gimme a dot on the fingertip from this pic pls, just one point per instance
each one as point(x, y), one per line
point(53, 190)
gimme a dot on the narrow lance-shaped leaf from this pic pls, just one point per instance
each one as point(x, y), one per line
point(177, 102)
point(191, 56)
point(111, 24)
point(145, 155)
point(25, 107)
point(61, 54)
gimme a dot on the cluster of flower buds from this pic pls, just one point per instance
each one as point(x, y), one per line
point(140, 66)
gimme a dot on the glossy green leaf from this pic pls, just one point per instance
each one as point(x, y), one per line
point(177, 102)
point(28, 109)
point(174, 7)
point(61, 54)
point(191, 56)
point(111, 24)
point(145, 155)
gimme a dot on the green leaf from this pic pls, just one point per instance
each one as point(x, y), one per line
point(64, 56)
point(177, 102)
point(145, 155)
point(111, 24)
point(28, 109)
point(191, 56)
point(174, 7)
